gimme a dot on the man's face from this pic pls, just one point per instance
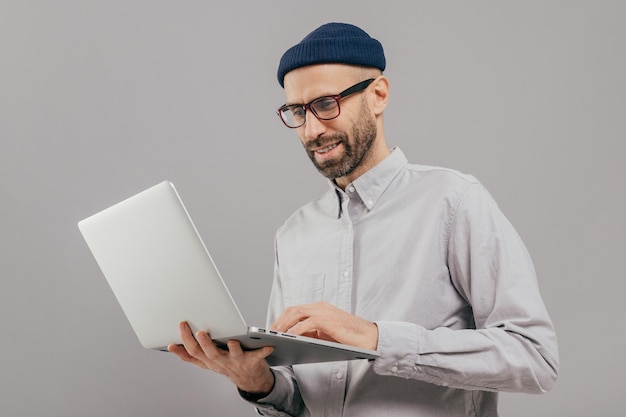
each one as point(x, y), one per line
point(337, 155)
point(339, 146)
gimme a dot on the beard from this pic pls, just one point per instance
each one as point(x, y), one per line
point(364, 133)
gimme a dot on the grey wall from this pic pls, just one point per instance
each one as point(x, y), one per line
point(99, 100)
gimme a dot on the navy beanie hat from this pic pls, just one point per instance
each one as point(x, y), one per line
point(337, 43)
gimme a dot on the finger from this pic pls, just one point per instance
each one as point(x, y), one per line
point(181, 352)
point(280, 324)
point(256, 354)
point(178, 350)
point(310, 326)
point(262, 353)
point(210, 349)
point(214, 357)
point(290, 317)
point(313, 333)
point(218, 359)
point(235, 350)
point(189, 342)
point(237, 353)
point(183, 355)
point(318, 327)
point(185, 333)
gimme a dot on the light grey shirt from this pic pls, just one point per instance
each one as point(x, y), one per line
point(425, 253)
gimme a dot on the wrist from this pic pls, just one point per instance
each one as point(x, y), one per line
point(263, 390)
point(374, 338)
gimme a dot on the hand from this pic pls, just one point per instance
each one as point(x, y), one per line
point(249, 370)
point(325, 321)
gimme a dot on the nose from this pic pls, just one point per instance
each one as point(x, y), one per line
point(313, 128)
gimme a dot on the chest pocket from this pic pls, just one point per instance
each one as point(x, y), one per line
point(303, 289)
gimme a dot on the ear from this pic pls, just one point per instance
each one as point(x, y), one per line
point(381, 95)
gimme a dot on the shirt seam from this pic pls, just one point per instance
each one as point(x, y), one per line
point(445, 244)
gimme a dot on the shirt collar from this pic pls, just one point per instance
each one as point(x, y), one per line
point(372, 185)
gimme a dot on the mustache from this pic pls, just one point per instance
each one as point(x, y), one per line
point(324, 141)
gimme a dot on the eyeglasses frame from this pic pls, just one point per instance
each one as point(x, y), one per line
point(360, 86)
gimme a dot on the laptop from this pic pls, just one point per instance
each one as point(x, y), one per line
point(161, 273)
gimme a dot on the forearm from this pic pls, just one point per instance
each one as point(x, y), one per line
point(494, 359)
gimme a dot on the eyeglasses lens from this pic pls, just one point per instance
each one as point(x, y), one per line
point(324, 108)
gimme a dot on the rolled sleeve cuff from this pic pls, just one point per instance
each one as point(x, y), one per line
point(275, 400)
point(398, 346)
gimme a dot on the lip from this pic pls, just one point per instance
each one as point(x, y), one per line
point(326, 152)
point(324, 149)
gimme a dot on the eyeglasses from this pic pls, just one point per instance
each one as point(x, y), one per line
point(324, 108)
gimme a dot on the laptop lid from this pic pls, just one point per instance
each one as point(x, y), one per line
point(162, 273)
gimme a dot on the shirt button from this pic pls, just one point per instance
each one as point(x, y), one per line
point(346, 274)
point(351, 189)
point(339, 375)
point(394, 369)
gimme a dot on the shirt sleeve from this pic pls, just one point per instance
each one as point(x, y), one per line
point(513, 346)
point(282, 401)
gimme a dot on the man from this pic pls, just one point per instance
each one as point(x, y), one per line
point(416, 262)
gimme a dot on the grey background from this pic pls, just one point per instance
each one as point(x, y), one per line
point(99, 100)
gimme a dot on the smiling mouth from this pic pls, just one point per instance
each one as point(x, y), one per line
point(326, 149)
